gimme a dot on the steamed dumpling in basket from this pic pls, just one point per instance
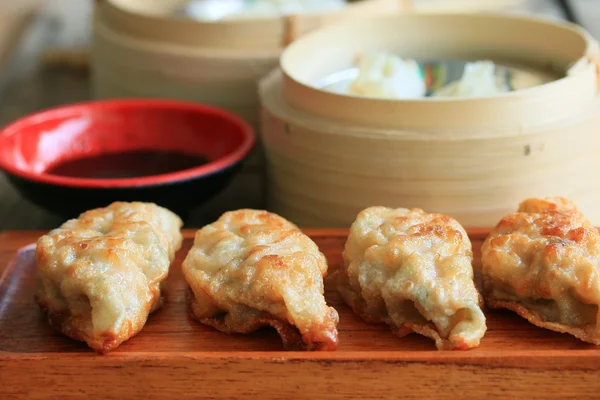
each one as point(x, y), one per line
point(479, 79)
point(385, 75)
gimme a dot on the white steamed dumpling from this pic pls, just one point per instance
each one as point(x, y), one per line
point(385, 75)
point(478, 80)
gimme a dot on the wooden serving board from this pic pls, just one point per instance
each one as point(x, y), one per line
point(176, 357)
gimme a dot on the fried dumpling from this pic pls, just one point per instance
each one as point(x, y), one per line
point(412, 270)
point(251, 269)
point(542, 262)
point(99, 276)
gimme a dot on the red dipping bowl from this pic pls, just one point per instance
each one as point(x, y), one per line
point(33, 145)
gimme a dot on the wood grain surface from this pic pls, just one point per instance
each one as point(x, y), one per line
point(175, 356)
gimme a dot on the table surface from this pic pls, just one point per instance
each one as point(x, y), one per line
point(25, 87)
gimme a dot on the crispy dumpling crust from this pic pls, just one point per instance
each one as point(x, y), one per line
point(542, 262)
point(412, 270)
point(251, 269)
point(99, 276)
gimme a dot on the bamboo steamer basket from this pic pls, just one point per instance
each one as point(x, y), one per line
point(140, 49)
point(331, 155)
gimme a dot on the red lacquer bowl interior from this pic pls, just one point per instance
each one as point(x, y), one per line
point(33, 144)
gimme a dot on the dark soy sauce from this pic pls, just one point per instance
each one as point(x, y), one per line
point(129, 164)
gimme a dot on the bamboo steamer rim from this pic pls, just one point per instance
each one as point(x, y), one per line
point(519, 111)
point(136, 18)
point(101, 28)
point(272, 100)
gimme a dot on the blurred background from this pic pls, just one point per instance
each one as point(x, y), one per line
point(44, 62)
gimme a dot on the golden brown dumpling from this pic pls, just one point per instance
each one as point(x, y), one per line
point(253, 268)
point(542, 262)
point(412, 270)
point(99, 275)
